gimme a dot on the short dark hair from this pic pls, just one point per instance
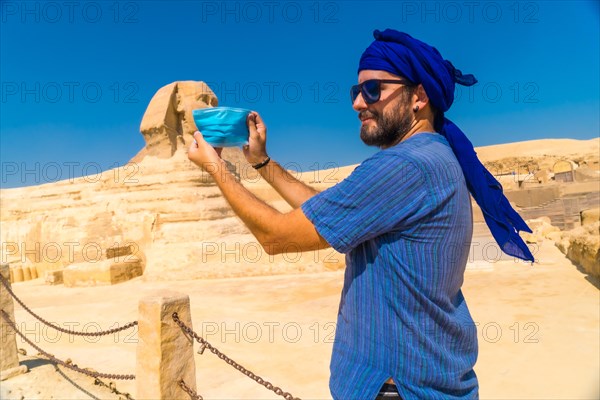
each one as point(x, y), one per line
point(438, 118)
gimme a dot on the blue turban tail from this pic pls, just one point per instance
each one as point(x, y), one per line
point(400, 54)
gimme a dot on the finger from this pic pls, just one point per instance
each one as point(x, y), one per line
point(258, 118)
point(193, 149)
point(252, 125)
point(252, 118)
point(199, 138)
point(260, 126)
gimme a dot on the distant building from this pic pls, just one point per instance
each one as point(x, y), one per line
point(564, 171)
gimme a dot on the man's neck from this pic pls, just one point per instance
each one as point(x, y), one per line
point(420, 126)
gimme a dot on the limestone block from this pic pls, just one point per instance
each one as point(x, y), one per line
point(528, 237)
point(54, 277)
point(536, 223)
point(11, 372)
point(582, 246)
point(548, 230)
point(555, 236)
point(165, 354)
point(590, 216)
point(26, 273)
point(119, 251)
point(34, 273)
point(9, 357)
point(44, 268)
point(18, 274)
point(542, 229)
point(104, 272)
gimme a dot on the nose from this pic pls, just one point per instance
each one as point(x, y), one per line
point(359, 103)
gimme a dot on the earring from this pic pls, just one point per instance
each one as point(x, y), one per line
point(416, 109)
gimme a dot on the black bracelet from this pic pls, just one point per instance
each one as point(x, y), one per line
point(262, 164)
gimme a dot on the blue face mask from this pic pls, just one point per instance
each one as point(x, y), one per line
point(222, 126)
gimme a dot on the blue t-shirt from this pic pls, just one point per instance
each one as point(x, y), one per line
point(404, 220)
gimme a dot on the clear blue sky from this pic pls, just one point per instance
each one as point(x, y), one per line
point(76, 77)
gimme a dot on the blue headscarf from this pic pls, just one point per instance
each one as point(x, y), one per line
point(400, 54)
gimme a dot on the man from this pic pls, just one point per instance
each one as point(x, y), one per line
point(403, 219)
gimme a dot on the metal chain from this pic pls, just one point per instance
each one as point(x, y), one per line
point(191, 392)
point(74, 367)
point(205, 345)
point(112, 387)
point(58, 328)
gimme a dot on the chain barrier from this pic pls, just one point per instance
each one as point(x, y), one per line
point(191, 392)
point(58, 328)
point(205, 345)
point(113, 388)
point(73, 367)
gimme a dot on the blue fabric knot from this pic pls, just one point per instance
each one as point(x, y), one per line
point(400, 54)
point(465, 80)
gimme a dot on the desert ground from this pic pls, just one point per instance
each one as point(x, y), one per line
point(538, 330)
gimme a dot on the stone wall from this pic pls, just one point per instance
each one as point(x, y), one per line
point(582, 245)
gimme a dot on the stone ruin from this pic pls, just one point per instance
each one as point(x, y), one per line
point(158, 216)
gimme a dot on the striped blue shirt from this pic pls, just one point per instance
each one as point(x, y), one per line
point(403, 218)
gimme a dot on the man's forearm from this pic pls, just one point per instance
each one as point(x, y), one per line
point(274, 230)
point(291, 189)
point(255, 213)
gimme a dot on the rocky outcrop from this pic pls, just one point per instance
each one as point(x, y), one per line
point(590, 216)
point(541, 228)
point(582, 245)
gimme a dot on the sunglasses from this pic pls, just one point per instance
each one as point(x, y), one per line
point(371, 89)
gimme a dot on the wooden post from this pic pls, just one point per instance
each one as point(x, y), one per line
point(165, 354)
point(9, 357)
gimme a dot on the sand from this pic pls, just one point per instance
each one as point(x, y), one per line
point(540, 147)
point(538, 330)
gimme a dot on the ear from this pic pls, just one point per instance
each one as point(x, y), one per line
point(420, 98)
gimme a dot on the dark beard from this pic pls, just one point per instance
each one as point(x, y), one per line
point(389, 130)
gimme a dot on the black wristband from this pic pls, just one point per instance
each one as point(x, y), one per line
point(262, 164)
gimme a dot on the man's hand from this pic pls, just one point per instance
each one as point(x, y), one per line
point(256, 149)
point(203, 154)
